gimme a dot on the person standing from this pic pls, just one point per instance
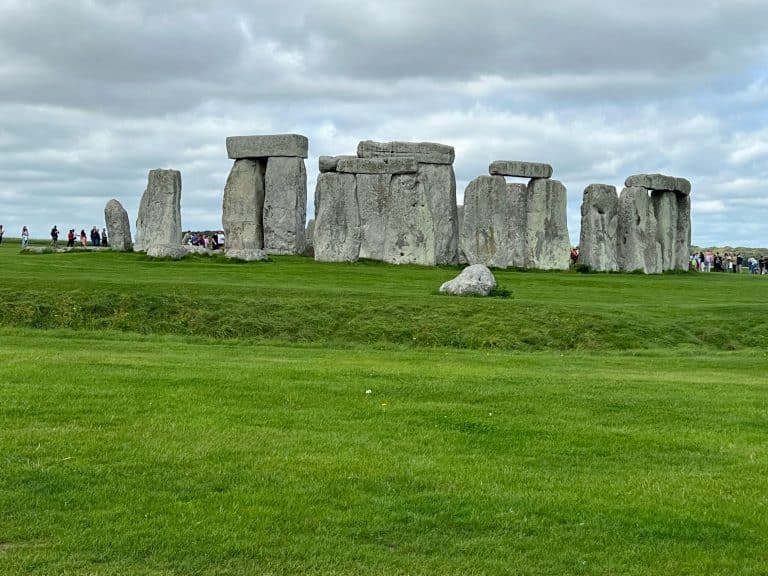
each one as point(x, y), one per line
point(54, 236)
point(83, 237)
point(95, 237)
point(2, 231)
point(104, 237)
point(24, 238)
point(71, 238)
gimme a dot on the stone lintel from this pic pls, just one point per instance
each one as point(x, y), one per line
point(520, 169)
point(291, 145)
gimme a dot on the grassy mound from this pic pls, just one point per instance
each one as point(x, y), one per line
point(294, 299)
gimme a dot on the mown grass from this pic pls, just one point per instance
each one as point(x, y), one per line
point(294, 299)
point(205, 417)
point(128, 454)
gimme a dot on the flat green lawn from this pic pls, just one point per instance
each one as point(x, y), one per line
point(206, 417)
point(129, 454)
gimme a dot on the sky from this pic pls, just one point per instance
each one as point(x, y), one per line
point(94, 94)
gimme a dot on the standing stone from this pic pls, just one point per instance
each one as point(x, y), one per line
point(374, 201)
point(637, 248)
point(337, 219)
point(518, 223)
point(665, 211)
point(159, 219)
point(683, 233)
point(410, 237)
point(118, 227)
point(484, 235)
point(309, 238)
point(439, 182)
point(242, 208)
point(548, 246)
point(599, 228)
point(285, 205)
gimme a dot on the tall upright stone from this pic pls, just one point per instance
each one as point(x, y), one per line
point(337, 218)
point(439, 182)
point(242, 207)
point(159, 218)
point(665, 211)
point(285, 205)
point(637, 248)
point(547, 242)
point(374, 199)
point(599, 228)
point(517, 237)
point(410, 236)
point(485, 232)
point(118, 227)
point(683, 234)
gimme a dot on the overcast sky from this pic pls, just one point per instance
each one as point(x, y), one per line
point(94, 94)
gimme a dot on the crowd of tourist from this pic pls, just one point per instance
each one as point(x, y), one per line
point(716, 262)
point(97, 238)
point(210, 240)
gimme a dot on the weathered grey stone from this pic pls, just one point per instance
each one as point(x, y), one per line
point(409, 237)
point(159, 219)
point(683, 234)
point(175, 251)
point(665, 211)
point(682, 186)
point(200, 250)
point(309, 234)
point(548, 246)
point(374, 201)
point(377, 165)
point(243, 205)
point(294, 145)
point(473, 280)
point(337, 218)
point(518, 224)
point(247, 254)
point(118, 227)
point(652, 182)
point(637, 248)
point(484, 236)
point(285, 205)
point(599, 228)
point(427, 152)
point(439, 182)
point(520, 169)
point(330, 163)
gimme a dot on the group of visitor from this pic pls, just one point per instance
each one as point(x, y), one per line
point(212, 241)
point(97, 238)
point(707, 261)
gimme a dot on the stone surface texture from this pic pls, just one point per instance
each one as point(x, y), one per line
point(485, 231)
point(330, 163)
point(599, 228)
point(159, 218)
point(439, 182)
point(243, 205)
point(683, 233)
point(374, 198)
point(410, 236)
point(247, 255)
point(337, 218)
point(474, 280)
point(656, 182)
point(547, 243)
point(175, 251)
point(118, 227)
point(285, 205)
point(426, 152)
point(637, 248)
point(377, 165)
point(293, 145)
point(520, 169)
point(664, 205)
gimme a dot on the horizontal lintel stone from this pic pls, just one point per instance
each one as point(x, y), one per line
point(330, 163)
point(291, 145)
point(659, 182)
point(520, 169)
point(424, 152)
point(378, 165)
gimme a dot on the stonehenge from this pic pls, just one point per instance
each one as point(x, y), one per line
point(394, 202)
point(265, 198)
point(118, 227)
point(513, 224)
point(159, 219)
point(647, 228)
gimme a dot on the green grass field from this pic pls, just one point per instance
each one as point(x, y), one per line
point(202, 417)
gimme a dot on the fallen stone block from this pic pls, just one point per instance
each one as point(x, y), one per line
point(294, 145)
point(475, 280)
